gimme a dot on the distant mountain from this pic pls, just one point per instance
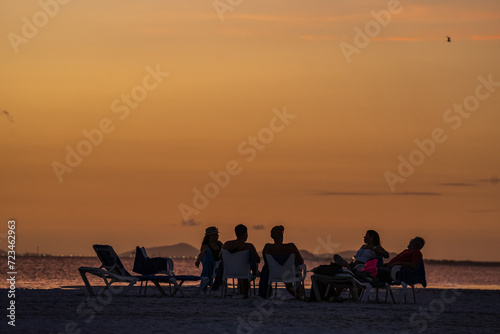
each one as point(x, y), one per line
point(174, 251)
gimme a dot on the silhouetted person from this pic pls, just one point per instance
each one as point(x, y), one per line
point(210, 242)
point(371, 249)
point(238, 245)
point(410, 258)
point(449, 38)
point(278, 248)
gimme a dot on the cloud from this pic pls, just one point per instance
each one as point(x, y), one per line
point(494, 180)
point(334, 193)
point(190, 222)
point(457, 184)
point(258, 227)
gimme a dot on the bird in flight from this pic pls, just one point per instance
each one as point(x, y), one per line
point(9, 117)
point(448, 38)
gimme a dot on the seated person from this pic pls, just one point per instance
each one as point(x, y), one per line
point(210, 242)
point(278, 248)
point(241, 244)
point(410, 258)
point(370, 250)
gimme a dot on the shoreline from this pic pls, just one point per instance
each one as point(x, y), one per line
point(74, 311)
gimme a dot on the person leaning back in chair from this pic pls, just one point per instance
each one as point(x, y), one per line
point(370, 250)
point(410, 258)
point(241, 244)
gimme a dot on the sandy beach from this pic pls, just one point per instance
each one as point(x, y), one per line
point(74, 311)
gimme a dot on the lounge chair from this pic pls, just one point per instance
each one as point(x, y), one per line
point(145, 265)
point(344, 279)
point(112, 271)
point(375, 283)
point(284, 273)
point(236, 265)
point(406, 276)
point(208, 273)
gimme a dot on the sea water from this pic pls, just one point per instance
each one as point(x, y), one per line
point(56, 272)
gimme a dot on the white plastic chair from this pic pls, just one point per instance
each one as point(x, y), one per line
point(205, 280)
point(236, 265)
point(285, 273)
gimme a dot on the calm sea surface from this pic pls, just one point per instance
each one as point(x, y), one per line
point(56, 272)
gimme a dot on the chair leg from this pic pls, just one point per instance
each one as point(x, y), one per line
point(392, 296)
point(328, 287)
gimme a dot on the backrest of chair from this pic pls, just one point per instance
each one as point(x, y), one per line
point(110, 260)
point(420, 273)
point(281, 273)
point(143, 252)
point(236, 265)
point(170, 266)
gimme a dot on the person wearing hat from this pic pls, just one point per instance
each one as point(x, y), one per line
point(210, 242)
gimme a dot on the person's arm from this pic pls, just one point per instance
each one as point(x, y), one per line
point(203, 250)
point(381, 251)
point(298, 258)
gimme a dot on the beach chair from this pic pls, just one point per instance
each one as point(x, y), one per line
point(236, 266)
point(112, 271)
point(208, 273)
point(145, 265)
point(406, 276)
point(284, 273)
point(375, 283)
point(344, 279)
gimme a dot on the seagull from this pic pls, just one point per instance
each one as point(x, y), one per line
point(449, 38)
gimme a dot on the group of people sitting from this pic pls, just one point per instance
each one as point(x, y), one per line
point(371, 249)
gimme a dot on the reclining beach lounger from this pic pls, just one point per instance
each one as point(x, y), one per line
point(151, 267)
point(344, 279)
point(112, 271)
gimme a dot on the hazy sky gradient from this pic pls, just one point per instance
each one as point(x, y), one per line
point(322, 176)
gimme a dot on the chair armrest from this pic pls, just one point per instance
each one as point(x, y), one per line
point(303, 271)
point(359, 267)
point(394, 272)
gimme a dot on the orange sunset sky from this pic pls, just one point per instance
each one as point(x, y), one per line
point(321, 112)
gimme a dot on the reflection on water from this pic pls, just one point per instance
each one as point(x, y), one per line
point(55, 272)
